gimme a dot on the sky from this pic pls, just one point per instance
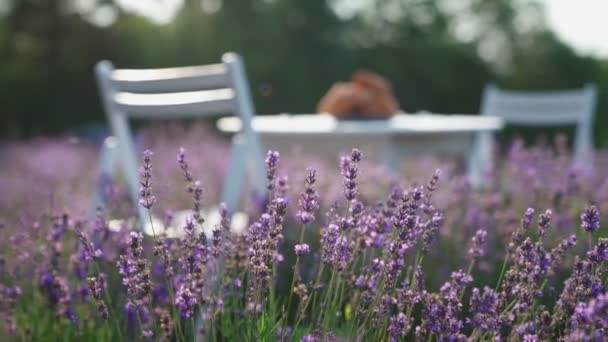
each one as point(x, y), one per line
point(582, 24)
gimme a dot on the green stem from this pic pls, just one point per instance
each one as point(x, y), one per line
point(502, 272)
point(176, 318)
point(110, 304)
point(328, 293)
point(293, 283)
point(374, 304)
point(589, 241)
point(469, 270)
point(313, 293)
point(419, 259)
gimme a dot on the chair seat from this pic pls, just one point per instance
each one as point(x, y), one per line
point(175, 229)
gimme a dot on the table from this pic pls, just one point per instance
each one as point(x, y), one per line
point(390, 140)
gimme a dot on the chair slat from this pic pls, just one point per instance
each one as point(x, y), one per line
point(182, 104)
point(171, 79)
point(540, 107)
point(540, 118)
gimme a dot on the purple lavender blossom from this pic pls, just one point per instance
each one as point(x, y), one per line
point(97, 287)
point(9, 295)
point(558, 252)
point(288, 332)
point(308, 338)
point(485, 308)
point(309, 199)
point(197, 194)
point(57, 292)
point(350, 171)
point(282, 186)
point(590, 219)
point(399, 327)
point(146, 199)
point(133, 269)
point(544, 222)
point(221, 231)
point(329, 241)
point(272, 161)
point(260, 252)
point(477, 249)
point(183, 164)
point(527, 220)
point(301, 249)
point(460, 279)
point(185, 301)
point(599, 253)
point(590, 320)
point(355, 155)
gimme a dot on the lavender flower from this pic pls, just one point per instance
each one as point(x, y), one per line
point(350, 171)
point(183, 164)
point(166, 324)
point(485, 308)
point(8, 303)
point(477, 249)
point(301, 249)
point(590, 219)
point(329, 242)
point(197, 194)
point(261, 249)
point(558, 252)
point(527, 220)
point(368, 243)
point(90, 251)
point(97, 287)
point(185, 301)
point(136, 278)
point(590, 320)
point(282, 186)
point(309, 338)
point(57, 291)
point(599, 253)
point(219, 232)
point(399, 327)
point(161, 250)
point(272, 161)
point(429, 233)
point(146, 199)
point(544, 222)
point(309, 199)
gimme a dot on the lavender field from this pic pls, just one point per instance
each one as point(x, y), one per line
point(338, 250)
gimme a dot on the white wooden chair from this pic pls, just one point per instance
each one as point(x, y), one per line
point(181, 92)
point(536, 108)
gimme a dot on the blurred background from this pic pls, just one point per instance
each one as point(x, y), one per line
point(437, 53)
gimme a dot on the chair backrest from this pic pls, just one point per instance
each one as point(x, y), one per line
point(182, 92)
point(547, 108)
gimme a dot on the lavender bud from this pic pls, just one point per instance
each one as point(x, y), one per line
point(272, 161)
point(309, 199)
point(302, 249)
point(478, 242)
point(146, 200)
point(590, 219)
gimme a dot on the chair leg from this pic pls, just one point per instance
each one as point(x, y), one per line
point(479, 160)
point(236, 173)
point(107, 162)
